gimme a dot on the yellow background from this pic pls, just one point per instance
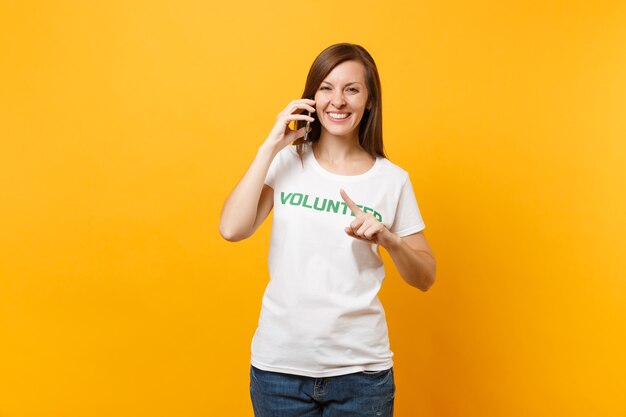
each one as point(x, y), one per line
point(125, 124)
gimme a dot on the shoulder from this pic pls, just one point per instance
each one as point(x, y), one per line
point(286, 159)
point(392, 170)
point(287, 153)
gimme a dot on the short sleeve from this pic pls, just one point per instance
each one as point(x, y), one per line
point(408, 219)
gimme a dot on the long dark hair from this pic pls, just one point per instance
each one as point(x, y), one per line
point(371, 126)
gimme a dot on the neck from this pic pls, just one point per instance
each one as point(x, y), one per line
point(335, 148)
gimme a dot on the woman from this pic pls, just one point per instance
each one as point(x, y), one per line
point(321, 347)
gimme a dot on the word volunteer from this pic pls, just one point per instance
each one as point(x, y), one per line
point(326, 204)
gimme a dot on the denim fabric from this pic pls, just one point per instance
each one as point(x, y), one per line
point(354, 395)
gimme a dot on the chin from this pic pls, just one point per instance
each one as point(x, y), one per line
point(340, 132)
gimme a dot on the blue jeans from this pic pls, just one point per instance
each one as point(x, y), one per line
point(354, 395)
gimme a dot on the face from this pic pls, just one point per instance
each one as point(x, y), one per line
point(341, 99)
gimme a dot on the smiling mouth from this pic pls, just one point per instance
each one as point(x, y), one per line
point(338, 116)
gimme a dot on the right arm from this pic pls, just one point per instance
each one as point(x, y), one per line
point(251, 201)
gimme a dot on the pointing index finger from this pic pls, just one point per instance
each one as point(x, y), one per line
point(351, 204)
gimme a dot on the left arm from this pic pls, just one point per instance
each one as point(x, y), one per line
point(411, 254)
point(413, 258)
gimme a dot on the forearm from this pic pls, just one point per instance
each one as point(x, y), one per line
point(417, 268)
point(240, 209)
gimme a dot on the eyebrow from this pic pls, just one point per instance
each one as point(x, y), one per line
point(350, 83)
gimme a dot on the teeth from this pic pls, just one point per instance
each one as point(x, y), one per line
point(338, 115)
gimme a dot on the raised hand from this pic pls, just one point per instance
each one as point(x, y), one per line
point(365, 226)
point(281, 134)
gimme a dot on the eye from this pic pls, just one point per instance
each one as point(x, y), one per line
point(353, 89)
point(324, 88)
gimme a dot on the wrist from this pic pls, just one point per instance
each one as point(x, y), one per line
point(391, 240)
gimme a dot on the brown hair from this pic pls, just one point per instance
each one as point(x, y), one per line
point(371, 126)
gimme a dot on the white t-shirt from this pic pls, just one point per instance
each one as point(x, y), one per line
point(321, 315)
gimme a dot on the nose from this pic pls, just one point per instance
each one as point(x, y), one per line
point(338, 99)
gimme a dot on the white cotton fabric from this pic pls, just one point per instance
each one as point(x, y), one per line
point(321, 315)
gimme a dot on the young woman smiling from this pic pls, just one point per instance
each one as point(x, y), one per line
point(321, 346)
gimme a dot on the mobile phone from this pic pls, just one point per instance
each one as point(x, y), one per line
point(308, 125)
